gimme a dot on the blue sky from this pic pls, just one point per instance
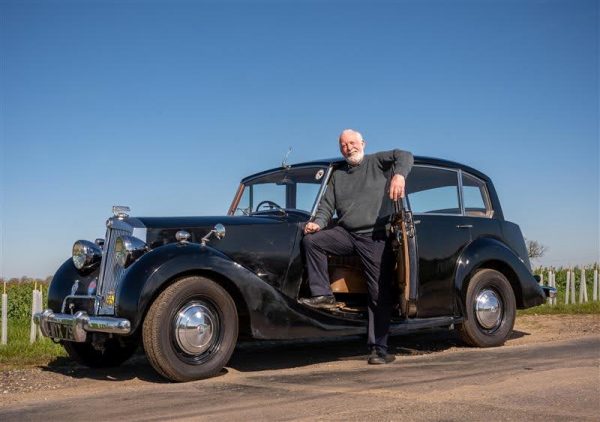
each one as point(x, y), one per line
point(165, 106)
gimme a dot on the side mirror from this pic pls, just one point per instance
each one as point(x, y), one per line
point(218, 231)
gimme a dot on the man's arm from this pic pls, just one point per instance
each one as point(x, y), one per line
point(401, 162)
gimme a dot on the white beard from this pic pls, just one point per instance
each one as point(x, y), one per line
point(356, 158)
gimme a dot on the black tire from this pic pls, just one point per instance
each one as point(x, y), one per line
point(114, 353)
point(190, 330)
point(488, 328)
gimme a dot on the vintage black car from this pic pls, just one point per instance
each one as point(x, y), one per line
point(188, 288)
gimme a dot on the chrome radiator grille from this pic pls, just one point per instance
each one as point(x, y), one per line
point(110, 271)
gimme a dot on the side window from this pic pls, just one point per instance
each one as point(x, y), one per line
point(253, 195)
point(475, 197)
point(433, 190)
point(306, 194)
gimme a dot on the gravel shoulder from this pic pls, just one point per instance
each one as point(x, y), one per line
point(62, 379)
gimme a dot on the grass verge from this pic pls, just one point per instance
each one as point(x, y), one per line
point(561, 308)
point(20, 353)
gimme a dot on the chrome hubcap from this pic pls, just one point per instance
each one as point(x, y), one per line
point(488, 309)
point(196, 327)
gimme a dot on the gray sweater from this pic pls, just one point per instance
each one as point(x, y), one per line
point(359, 194)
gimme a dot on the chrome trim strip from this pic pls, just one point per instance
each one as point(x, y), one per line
point(322, 190)
point(461, 201)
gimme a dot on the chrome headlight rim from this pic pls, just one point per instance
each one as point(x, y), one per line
point(128, 249)
point(86, 255)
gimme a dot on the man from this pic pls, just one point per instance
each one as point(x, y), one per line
point(361, 193)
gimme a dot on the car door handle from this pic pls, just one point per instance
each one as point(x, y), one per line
point(464, 226)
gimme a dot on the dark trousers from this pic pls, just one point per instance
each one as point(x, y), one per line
point(377, 259)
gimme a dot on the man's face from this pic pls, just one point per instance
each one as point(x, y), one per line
point(352, 148)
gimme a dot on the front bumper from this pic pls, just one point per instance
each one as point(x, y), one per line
point(75, 327)
point(550, 292)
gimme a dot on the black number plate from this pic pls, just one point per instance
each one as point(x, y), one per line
point(62, 332)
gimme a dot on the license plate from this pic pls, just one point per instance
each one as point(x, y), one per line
point(62, 332)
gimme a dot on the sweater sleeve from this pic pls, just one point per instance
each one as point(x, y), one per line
point(326, 207)
point(402, 161)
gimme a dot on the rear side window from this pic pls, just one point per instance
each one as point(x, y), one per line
point(475, 197)
point(433, 191)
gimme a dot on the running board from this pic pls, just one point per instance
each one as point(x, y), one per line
point(415, 324)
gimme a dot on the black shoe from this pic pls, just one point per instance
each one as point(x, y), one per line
point(380, 357)
point(325, 302)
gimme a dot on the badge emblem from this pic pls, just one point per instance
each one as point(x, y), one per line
point(319, 174)
point(92, 288)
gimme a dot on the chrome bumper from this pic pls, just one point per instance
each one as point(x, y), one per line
point(550, 292)
point(78, 325)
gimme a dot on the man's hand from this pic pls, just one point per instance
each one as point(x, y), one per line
point(397, 187)
point(311, 228)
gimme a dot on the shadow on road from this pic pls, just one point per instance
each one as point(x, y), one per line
point(136, 367)
point(270, 355)
point(260, 356)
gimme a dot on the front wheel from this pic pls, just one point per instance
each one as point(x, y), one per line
point(490, 310)
point(190, 330)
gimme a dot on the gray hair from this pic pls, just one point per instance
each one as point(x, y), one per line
point(352, 132)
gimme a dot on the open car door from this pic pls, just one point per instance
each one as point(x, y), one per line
point(405, 246)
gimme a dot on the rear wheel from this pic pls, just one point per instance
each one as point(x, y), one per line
point(112, 353)
point(490, 310)
point(191, 329)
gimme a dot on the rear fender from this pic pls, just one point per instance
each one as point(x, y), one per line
point(487, 252)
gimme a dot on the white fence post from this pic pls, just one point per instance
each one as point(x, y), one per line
point(36, 305)
point(573, 286)
point(584, 285)
point(595, 287)
point(40, 309)
point(541, 283)
point(568, 287)
point(4, 338)
point(32, 330)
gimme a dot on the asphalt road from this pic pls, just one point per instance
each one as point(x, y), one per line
point(558, 380)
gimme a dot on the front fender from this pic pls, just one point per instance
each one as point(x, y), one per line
point(63, 280)
point(147, 275)
point(488, 252)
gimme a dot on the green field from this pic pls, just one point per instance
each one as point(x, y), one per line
point(19, 352)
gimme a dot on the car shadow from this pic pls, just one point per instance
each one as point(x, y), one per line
point(518, 334)
point(135, 367)
point(271, 355)
point(265, 355)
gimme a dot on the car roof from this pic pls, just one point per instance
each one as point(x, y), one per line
point(420, 160)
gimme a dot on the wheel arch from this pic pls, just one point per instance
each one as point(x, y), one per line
point(223, 281)
point(159, 269)
point(491, 253)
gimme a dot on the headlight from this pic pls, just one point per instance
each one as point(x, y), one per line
point(128, 249)
point(86, 255)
